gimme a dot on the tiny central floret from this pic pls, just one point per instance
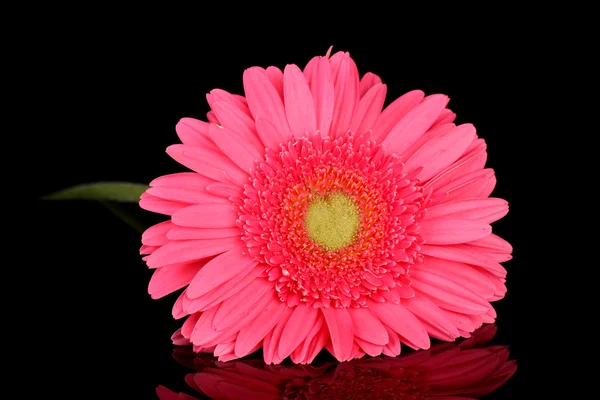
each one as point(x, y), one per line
point(332, 221)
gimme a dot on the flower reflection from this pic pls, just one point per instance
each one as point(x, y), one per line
point(466, 370)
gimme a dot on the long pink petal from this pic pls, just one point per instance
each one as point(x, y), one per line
point(427, 311)
point(239, 306)
point(157, 235)
point(447, 230)
point(438, 154)
point(185, 233)
point(459, 272)
point(446, 117)
point(208, 163)
point(485, 210)
point(297, 328)
point(345, 95)
point(232, 118)
point(188, 326)
point(184, 195)
point(189, 250)
point(341, 331)
point(219, 270)
point(322, 89)
point(392, 349)
point(188, 180)
point(223, 291)
point(271, 341)
point(367, 326)
point(317, 343)
point(456, 253)
point(414, 124)
point(209, 215)
point(371, 349)
point(395, 112)
point(160, 206)
point(224, 189)
point(219, 95)
point(465, 165)
point(167, 279)
point(260, 326)
point(472, 185)
point(402, 322)
point(367, 82)
point(448, 294)
point(494, 242)
point(299, 105)
point(194, 133)
point(235, 146)
point(275, 76)
point(265, 102)
point(369, 109)
point(301, 354)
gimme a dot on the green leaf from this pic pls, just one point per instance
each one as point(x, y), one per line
point(101, 191)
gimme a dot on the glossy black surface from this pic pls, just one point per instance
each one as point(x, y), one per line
point(121, 96)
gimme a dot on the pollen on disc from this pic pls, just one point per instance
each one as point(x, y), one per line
point(332, 221)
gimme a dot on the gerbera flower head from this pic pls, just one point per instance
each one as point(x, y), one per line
point(316, 218)
point(446, 371)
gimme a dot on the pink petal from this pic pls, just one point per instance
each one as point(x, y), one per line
point(193, 132)
point(156, 235)
point(367, 82)
point(238, 306)
point(226, 190)
point(167, 279)
point(341, 331)
point(455, 253)
point(297, 328)
point(235, 146)
point(220, 95)
point(265, 102)
point(402, 322)
point(392, 349)
point(345, 95)
point(446, 117)
point(493, 242)
point(185, 195)
point(269, 135)
point(189, 324)
point(223, 292)
point(467, 186)
point(219, 270)
point(369, 109)
point(438, 154)
point(299, 105)
point(395, 112)
point(449, 295)
point(367, 326)
point(208, 215)
point(208, 163)
point(486, 210)
point(275, 76)
point(371, 349)
point(237, 121)
point(259, 327)
point(458, 272)
point(301, 354)
point(188, 180)
point(468, 164)
point(322, 89)
point(160, 206)
point(184, 233)
point(414, 124)
point(317, 343)
point(212, 117)
point(447, 230)
point(271, 341)
point(189, 250)
point(177, 311)
point(427, 311)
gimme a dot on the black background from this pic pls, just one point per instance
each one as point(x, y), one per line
point(110, 93)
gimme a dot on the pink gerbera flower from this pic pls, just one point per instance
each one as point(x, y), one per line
point(315, 218)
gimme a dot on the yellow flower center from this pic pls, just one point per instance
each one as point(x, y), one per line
point(332, 221)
